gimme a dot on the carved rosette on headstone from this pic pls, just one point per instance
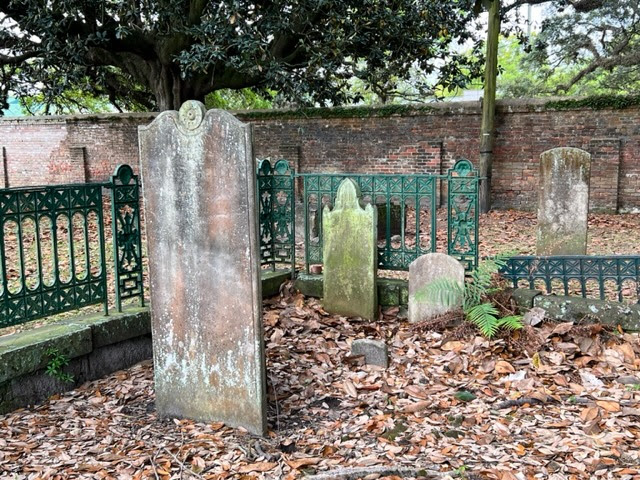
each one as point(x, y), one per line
point(350, 255)
point(199, 193)
point(423, 271)
point(563, 202)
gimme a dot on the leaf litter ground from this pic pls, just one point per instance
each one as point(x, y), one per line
point(556, 402)
point(560, 401)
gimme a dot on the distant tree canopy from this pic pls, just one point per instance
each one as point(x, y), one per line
point(600, 45)
point(154, 54)
point(584, 47)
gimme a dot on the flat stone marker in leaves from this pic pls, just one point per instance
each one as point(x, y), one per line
point(199, 192)
point(423, 271)
point(563, 202)
point(375, 352)
point(350, 255)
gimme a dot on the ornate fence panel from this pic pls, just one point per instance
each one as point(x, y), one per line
point(586, 275)
point(52, 247)
point(407, 213)
point(127, 239)
point(463, 213)
point(52, 255)
point(395, 195)
point(276, 213)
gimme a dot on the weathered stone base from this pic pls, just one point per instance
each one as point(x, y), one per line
point(391, 291)
point(96, 346)
point(578, 309)
point(271, 281)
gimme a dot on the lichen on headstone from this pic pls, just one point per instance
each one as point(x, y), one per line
point(199, 191)
point(350, 255)
point(563, 202)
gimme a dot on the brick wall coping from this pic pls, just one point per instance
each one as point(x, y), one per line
point(135, 117)
point(437, 108)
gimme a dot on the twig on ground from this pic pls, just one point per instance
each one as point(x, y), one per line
point(518, 402)
point(360, 472)
point(183, 468)
point(153, 466)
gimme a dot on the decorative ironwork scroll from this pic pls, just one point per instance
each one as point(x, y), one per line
point(127, 238)
point(276, 213)
point(585, 275)
point(462, 213)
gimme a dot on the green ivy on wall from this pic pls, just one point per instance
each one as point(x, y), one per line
point(599, 102)
point(338, 112)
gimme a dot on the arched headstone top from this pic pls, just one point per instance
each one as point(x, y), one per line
point(348, 195)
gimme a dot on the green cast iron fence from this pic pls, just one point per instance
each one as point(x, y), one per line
point(407, 213)
point(276, 210)
point(613, 277)
point(52, 247)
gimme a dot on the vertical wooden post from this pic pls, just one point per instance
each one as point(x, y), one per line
point(487, 132)
point(5, 173)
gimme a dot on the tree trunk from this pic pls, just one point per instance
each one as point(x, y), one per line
point(487, 131)
point(170, 90)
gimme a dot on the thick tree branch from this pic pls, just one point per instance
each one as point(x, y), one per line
point(17, 59)
point(578, 5)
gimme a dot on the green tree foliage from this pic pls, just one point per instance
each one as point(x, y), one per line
point(587, 47)
point(244, 99)
point(155, 54)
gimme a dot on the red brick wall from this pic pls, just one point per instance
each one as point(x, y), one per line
point(88, 148)
point(68, 149)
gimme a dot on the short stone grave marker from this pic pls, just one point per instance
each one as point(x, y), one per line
point(422, 272)
point(375, 352)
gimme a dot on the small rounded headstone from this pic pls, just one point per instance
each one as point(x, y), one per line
point(423, 271)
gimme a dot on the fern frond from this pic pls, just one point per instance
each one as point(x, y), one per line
point(481, 279)
point(512, 322)
point(484, 317)
point(442, 291)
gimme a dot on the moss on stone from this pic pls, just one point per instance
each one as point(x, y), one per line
point(597, 102)
point(350, 255)
point(338, 112)
point(116, 327)
point(390, 290)
point(25, 352)
point(578, 309)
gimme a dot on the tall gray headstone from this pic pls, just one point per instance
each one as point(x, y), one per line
point(199, 192)
point(422, 272)
point(350, 255)
point(563, 202)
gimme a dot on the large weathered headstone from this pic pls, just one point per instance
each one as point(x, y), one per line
point(199, 193)
point(422, 272)
point(563, 202)
point(350, 255)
